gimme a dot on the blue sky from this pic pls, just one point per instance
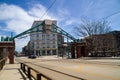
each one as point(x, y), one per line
point(18, 15)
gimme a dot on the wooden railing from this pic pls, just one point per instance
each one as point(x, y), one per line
point(32, 73)
point(2, 63)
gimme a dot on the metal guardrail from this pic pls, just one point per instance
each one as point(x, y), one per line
point(2, 63)
point(38, 72)
point(32, 73)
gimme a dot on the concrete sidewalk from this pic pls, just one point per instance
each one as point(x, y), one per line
point(12, 72)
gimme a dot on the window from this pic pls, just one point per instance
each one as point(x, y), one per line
point(48, 46)
point(53, 42)
point(43, 36)
point(43, 43)
point(37, 43)
point(37, 34)
point(37, 47)
point(53, 35)
point(54, 46)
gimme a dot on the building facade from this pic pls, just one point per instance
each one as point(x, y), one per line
point(7, 49)
point(45, 42)
point(102, 45)
point(117, 35)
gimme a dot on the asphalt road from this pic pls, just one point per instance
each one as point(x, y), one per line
point(87, 70)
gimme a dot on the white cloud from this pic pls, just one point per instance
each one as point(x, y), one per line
point(18, 26)
point(71, 21)
point(18, 20)
point(38, 10)
point(8, 12)
point(63, 14)
point(15, 18)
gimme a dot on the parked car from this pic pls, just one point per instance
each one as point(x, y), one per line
point(32, 56)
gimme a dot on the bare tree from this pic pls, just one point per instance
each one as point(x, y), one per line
point(89, 28)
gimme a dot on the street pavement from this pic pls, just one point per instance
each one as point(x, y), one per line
point(86, 69)
point(90, 69)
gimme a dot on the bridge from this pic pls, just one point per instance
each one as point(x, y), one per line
point(75, 43)
point(36, 29)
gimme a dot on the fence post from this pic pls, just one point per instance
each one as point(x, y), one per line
point(49, 79)
point(21, 66)
point(3, 62)
point(0, 65)
point(29, 73)
point(39, 76)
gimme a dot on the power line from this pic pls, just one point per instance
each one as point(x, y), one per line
point(112, 15)
point(48, 9)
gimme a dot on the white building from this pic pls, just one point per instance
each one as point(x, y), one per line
point(45, 42)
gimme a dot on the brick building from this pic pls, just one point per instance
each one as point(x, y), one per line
point(7, 49)
point(103, 44)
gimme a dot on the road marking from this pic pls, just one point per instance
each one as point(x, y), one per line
point(79, 68)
